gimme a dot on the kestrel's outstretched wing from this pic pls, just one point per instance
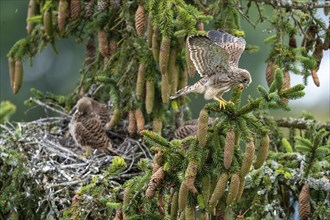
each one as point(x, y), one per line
point(207, 57)
point(233, 45)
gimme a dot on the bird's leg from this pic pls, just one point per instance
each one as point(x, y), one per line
point(222, 102)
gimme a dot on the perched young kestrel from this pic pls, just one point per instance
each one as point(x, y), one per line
point(87, 125)
point(216, 57)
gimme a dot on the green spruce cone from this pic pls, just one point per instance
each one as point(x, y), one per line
point(218, 191)
point(190, 212)
point(157, 125)
point(174, 207)
point(48, 23)
point(140, 81)
point(11, 64)
point(164, 54)
point(131, 128)
point(183, 196)
point(190, 176)
point(150, 95)
point(32, 9)
point(262, 152)
point(115, 118)
point(18, 78)
point(206, 187)
point(241, 189)
point(155, 44)
point(233, 189)
point(149, 31)
point(63, 13)
point(229, 148)
point(166, 89)
point(202, 127)
point(248, 158)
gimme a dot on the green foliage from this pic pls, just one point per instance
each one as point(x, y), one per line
point(7, 109)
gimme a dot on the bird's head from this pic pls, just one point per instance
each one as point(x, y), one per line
point(84, 106)
point(244, 77)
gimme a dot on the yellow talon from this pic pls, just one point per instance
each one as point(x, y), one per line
point(223, 103)
point(87, 153)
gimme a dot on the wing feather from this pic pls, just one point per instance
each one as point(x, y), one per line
point(233, 45)
point(207, 56)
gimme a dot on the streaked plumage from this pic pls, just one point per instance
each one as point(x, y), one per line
point(216, 59)
point(87, 125)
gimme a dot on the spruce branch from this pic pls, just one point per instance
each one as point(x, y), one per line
point(295, 4)
point(301, 123)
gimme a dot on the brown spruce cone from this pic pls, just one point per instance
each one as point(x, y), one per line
point(119, 215)
point(229, 148)
point(233, 189)
point(155, 181)
point(103, 43)
point(18, 78)
point(248, 158)
point(218, 192)
point(304, 203)
point(157, 125)
point(11, 64)
point(89, 8)
point(157, 161)
point(286, 80)
point(202, 127)
point(190, 64)
point(185, 131)
point(140, 20)
point(200, 26)
point(48, 22)
point(183, 196)
point(149, 31)
point(75, 9)
point(32, 10)
point(132, 128)
point(190, 176)
point(155, 44)
point(63, 14)
point(317, 55)
point(140, 122)
point(262, 152)
point(164, 54)
point(308, 40)
point(315, 78)
point(270, 71)
point(150, 95)
point(90, 51)
point(140, 81)
point(165, 88)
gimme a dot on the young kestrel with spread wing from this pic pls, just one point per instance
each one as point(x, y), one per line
point(87, 125)
point(216, 57)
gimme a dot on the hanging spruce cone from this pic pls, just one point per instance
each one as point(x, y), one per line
point(206, 188)
point(150, 95)
point(247, 159)
point(240, 190)
point(233, 189)
point(157, 125)
point(202, 127)
point(154, 182)
point(157, 161)
point(11, 64)
point(218, 191)
point(286, 80)
point(229, 148)
point(183, 196)
point(75, 9)
point(115, 118)
point(140, 81)
point(18, 76)
point(103, 43)
point(132, 128)
point(149, 31)
point(317, 55)
point(89, 8)
point(172, 71)
point(189, 212)
point(270, 71)
point(155, 44)
point(308, 40)
point(164, 54)
point(48, 22)
point(140, 122)
point(174, 206)
point(190, 64)
point(102, 5)
point(90, 51)
point(32, 10)
point(304, 203)
point(190, 176)
point(63, 14)
point(200, 26)
point(262, 152)
point(166, 89)
point(140, 20)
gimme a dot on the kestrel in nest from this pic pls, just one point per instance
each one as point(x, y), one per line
point(87, 125)
point(216, 57)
